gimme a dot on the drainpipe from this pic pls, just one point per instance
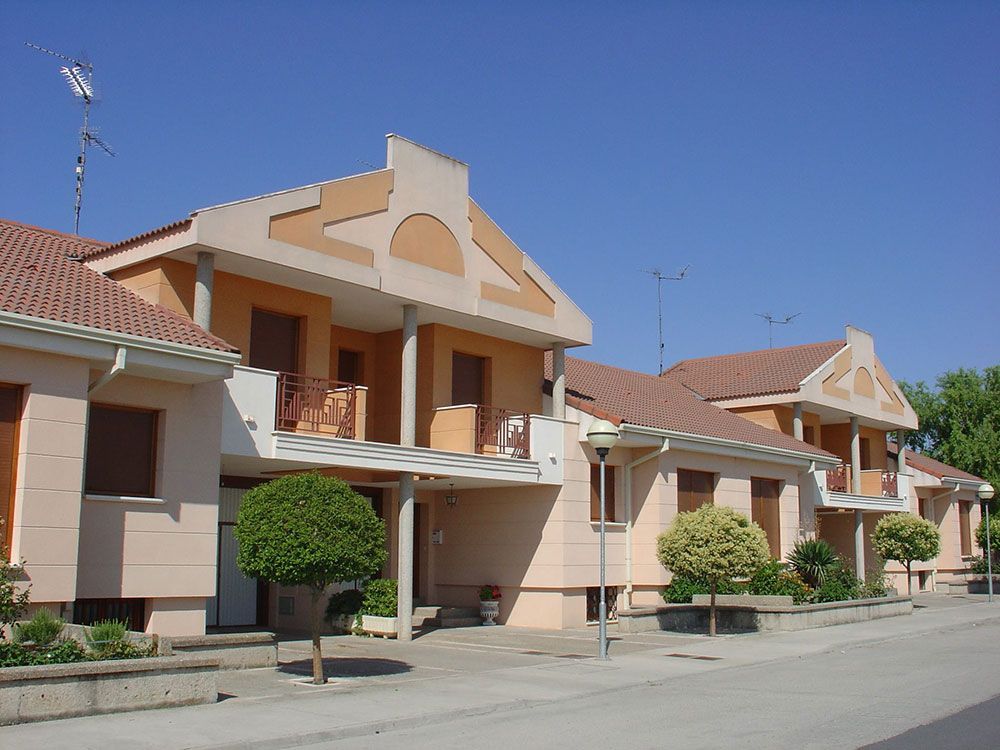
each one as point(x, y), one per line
point(116, 369)
point(629, 521)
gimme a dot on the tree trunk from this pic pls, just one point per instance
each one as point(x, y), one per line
point(316, 596)
point(711, 612)
point(909, 579)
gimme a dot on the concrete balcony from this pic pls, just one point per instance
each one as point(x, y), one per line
point(283, 422)
point(880, 490)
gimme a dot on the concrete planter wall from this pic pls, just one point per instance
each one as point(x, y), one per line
point(97, 687)
point(746, 618)
point(230, 650)
point(386, 627)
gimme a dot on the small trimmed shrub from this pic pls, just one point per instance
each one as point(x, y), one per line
point(124, 650)
point(813, 559)
point(681, 589)
point(905, 537)
point(774, 579)
point(380, 598)
point(105, 636)
point(876, 584)
point(344, 603)
point(62, 652)
point(994, 539)
point(839, 585)
point(42, 629)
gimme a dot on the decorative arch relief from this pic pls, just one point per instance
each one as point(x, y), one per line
point(425, 240)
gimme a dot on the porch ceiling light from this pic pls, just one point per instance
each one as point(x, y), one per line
point(602, 436)
point(451, 499)
point(985, 492)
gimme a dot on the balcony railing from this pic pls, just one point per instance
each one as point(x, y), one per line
point(874, 482)
point(502, 432)
point(308, 404)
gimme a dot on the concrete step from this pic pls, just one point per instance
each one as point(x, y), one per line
point(445, 617)
point(460, 622)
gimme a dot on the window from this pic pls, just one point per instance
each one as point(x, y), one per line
point(595, 492)
point(121, 451)
point(468, 375)
point(694, 489)
point(349, 366)
point(866, 454)
point(964, 527)
point(274, 341)
point(131, 611)
point(10, 412)
point(809, 435)
point(594, 603)
point(765, 512)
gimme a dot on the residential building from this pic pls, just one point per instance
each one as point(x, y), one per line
point(110, 416)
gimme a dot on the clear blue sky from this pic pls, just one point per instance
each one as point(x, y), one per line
point(839, 160)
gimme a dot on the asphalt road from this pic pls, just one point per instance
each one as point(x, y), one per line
point(936, 690)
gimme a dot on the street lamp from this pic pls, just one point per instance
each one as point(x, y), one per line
point(985, 494)
point(602, 437)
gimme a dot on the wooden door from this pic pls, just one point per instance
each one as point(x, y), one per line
point(10, 413)
point(274, 341)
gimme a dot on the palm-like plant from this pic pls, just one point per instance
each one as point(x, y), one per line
point(813, 559)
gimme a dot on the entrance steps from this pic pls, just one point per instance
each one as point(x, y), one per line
point(445, 617)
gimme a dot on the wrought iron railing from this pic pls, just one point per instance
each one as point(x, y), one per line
point(836, 479)
point(308, 404)
point(839, 480)
point(890, 484)
point(502, 432)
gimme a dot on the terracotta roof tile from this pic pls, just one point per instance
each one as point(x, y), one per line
point(932, 466)
point(105, 248)
point(646, 400)
point(37, 278)
point(752, 373)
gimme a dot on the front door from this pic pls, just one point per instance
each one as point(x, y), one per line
point(274, 341)
point(237, 601)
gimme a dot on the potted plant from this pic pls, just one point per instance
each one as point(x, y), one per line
point(378, 608)
point(342, 609)
point(489, 604)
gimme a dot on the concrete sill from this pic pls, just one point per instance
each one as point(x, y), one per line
point(125, 499)
point(611, 525)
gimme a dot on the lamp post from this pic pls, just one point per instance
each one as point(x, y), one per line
point(985, 494)
point(602, 437)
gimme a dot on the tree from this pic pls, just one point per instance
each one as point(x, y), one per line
point(309, 530)
point(994, 539)
point(960, 420)
point(905, 537)
point(712, 544)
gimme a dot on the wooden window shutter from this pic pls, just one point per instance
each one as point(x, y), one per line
point(10, 412)
point(595, 493)
point(765, 511)
point(121, 451)
point(965, 528)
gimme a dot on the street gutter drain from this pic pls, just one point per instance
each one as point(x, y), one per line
point(694, 656)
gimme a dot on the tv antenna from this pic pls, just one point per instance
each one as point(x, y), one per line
point(79, 75)
point(660, 277)
point(772, 321)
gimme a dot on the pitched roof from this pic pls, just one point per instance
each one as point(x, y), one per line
point(38, 278)
point(104, 248)
point(756, 373)
point(648, 401)
point(932, 466)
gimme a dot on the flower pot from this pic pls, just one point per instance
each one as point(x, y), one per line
point(386, 627)
point(488, 610)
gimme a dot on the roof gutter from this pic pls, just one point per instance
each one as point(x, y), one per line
point(783, 455)
point(116, 369)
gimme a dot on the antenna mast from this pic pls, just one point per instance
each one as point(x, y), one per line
point(78, 76)
point(660, 277)
point(771, 322)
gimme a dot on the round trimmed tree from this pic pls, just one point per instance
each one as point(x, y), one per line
point(994, 539)
point(713, 544)
point(309, 530)
point(905, 537)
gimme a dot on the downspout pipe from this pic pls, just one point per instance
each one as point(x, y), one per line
point(116, 369)
point(629, 520)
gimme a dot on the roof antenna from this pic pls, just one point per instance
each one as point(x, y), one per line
point(661, 277)
point(78, 75)
point(771, 322)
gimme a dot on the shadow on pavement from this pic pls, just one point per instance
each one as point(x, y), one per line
point(349, 666)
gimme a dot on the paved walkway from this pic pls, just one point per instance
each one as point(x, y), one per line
point(379, 685)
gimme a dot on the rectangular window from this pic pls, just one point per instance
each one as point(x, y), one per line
point(595, 493)
point(866, 454)
point(468, 375)
point(765, 511)
point(121, 451)
point(132, 611)
point(694, 489)
point(964, 527)
point(274, 341)
point(809, 435)
point(594, 603)
point(349, 367)
point(10, 414)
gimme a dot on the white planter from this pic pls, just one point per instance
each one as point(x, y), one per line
point(386, 627)
point(489, 610)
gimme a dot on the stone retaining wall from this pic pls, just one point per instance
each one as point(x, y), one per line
point(58, 691)
point(231, 650)
point(744, 618)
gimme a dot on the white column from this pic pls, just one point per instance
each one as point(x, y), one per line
point(407, 437)
point(203, 278)
point(859, 544)
point(559, 380)
point(901, 460)
point(855, 457)
point(797, 431)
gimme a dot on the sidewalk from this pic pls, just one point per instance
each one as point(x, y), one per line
point(448, 674)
